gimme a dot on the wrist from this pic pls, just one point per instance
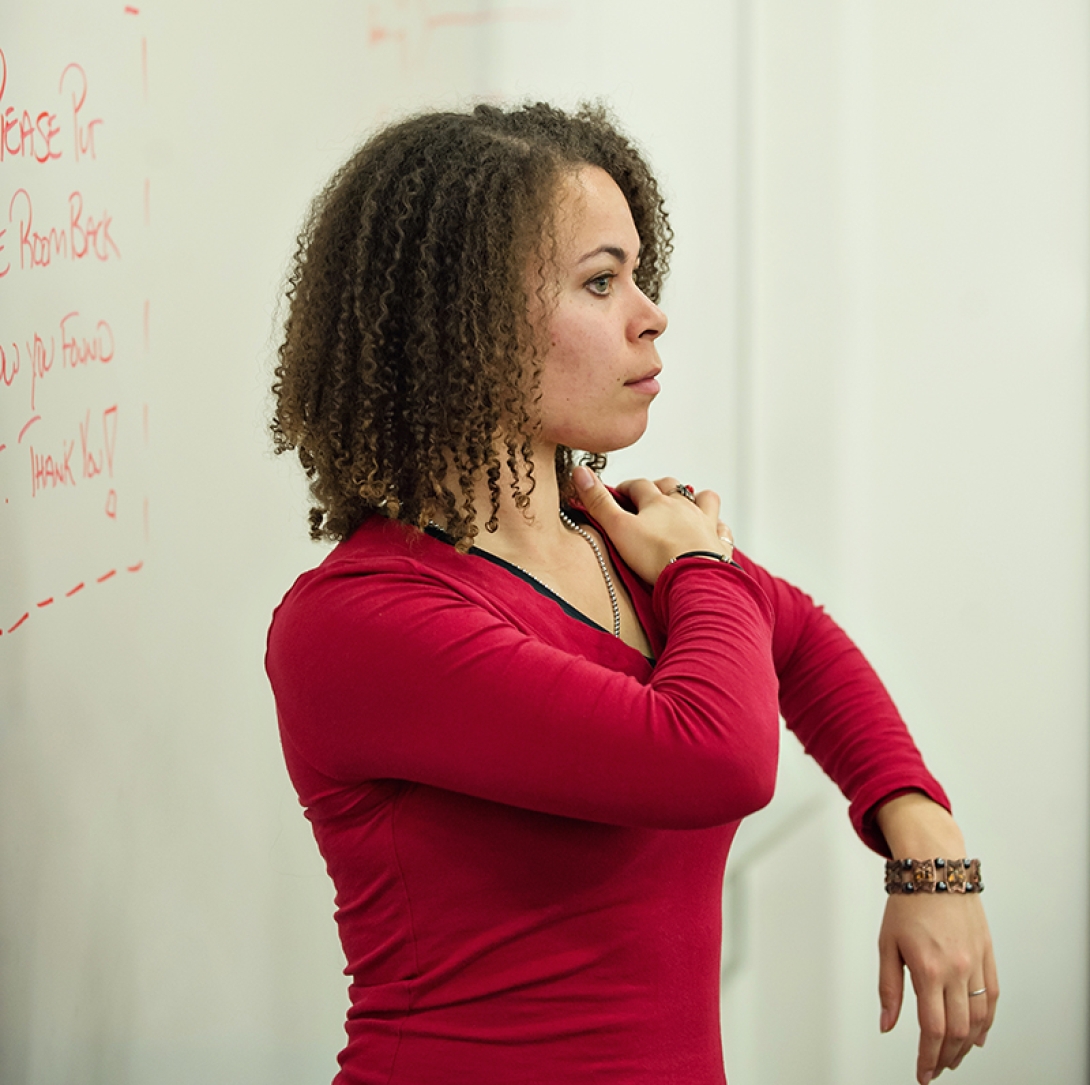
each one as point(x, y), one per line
point(915, 827)
point(938, 875)
point(708, 555)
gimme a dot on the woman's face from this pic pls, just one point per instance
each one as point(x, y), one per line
point(600, 363)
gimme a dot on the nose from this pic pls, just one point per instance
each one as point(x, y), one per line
point(652, 320)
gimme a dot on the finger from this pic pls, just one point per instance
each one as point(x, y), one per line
point(726, 537)
point(639, 491)
point(978, 1014)
point(991, 981)
point(931, 1013)
point(979, 1010)
point(956, 1043)
point(708, 502)
point(891, 984)
point(595, 497)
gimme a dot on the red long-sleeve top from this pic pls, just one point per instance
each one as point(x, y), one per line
point(526, 821)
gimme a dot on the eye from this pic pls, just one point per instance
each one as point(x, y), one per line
point(601, 284)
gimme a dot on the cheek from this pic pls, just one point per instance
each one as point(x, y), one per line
point(578, 348)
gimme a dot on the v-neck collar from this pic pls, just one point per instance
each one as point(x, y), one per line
point(623, 573)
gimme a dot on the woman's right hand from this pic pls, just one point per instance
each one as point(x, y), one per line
point(665, 524)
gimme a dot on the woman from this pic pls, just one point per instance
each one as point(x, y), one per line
point(524, 713)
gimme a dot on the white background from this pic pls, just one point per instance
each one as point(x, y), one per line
point(877, 353)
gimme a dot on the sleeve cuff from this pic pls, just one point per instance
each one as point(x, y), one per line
point(864, 811)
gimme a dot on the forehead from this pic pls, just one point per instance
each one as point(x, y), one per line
point(591, 207)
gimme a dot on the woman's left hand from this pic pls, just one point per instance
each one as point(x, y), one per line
point(942, 938)
point(945, 943)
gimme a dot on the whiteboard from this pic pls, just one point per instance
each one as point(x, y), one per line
point(160, 894)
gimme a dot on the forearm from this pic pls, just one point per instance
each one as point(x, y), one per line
point(915, 827)
point(839, 709)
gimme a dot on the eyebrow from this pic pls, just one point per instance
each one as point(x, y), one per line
point(615, 251)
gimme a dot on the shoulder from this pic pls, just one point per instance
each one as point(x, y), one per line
point(380, 558)
point(387, 578)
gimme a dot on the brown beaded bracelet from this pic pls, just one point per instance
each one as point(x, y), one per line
point(933, 876)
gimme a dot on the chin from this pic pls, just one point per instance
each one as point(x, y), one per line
point(622, 440)
point(603, 448)
point(600, 441)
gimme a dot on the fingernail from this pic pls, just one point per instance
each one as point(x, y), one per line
point(583, 477)
point(926, 1079)
point(884, 1024)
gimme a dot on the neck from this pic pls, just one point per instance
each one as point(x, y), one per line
point(530, 532)
point(567, 559)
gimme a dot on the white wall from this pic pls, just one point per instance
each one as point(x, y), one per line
point(919, 461)
point(877, 352)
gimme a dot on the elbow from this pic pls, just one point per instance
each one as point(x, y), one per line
point(764, 784)
point(748, 782)
point(748, 765)
point(752, 789)
point(718, 775)
point(727, 791)
point(764, 756)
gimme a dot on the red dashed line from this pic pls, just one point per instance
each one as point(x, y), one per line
point(74, 591)
point(131, 10)
point(2, 447)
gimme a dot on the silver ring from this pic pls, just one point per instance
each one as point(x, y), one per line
point(686, 491)
point(982, 991)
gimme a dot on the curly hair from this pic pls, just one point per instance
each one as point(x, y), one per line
point(408, 363)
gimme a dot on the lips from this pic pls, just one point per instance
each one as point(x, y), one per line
point(646, 384)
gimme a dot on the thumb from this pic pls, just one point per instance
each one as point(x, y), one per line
point(891, 983)
point(595, 498)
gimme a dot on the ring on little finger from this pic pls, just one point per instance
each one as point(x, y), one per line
point(982, 991)
point(686, 491)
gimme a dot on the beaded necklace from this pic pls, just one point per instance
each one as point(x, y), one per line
point(571, 525)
